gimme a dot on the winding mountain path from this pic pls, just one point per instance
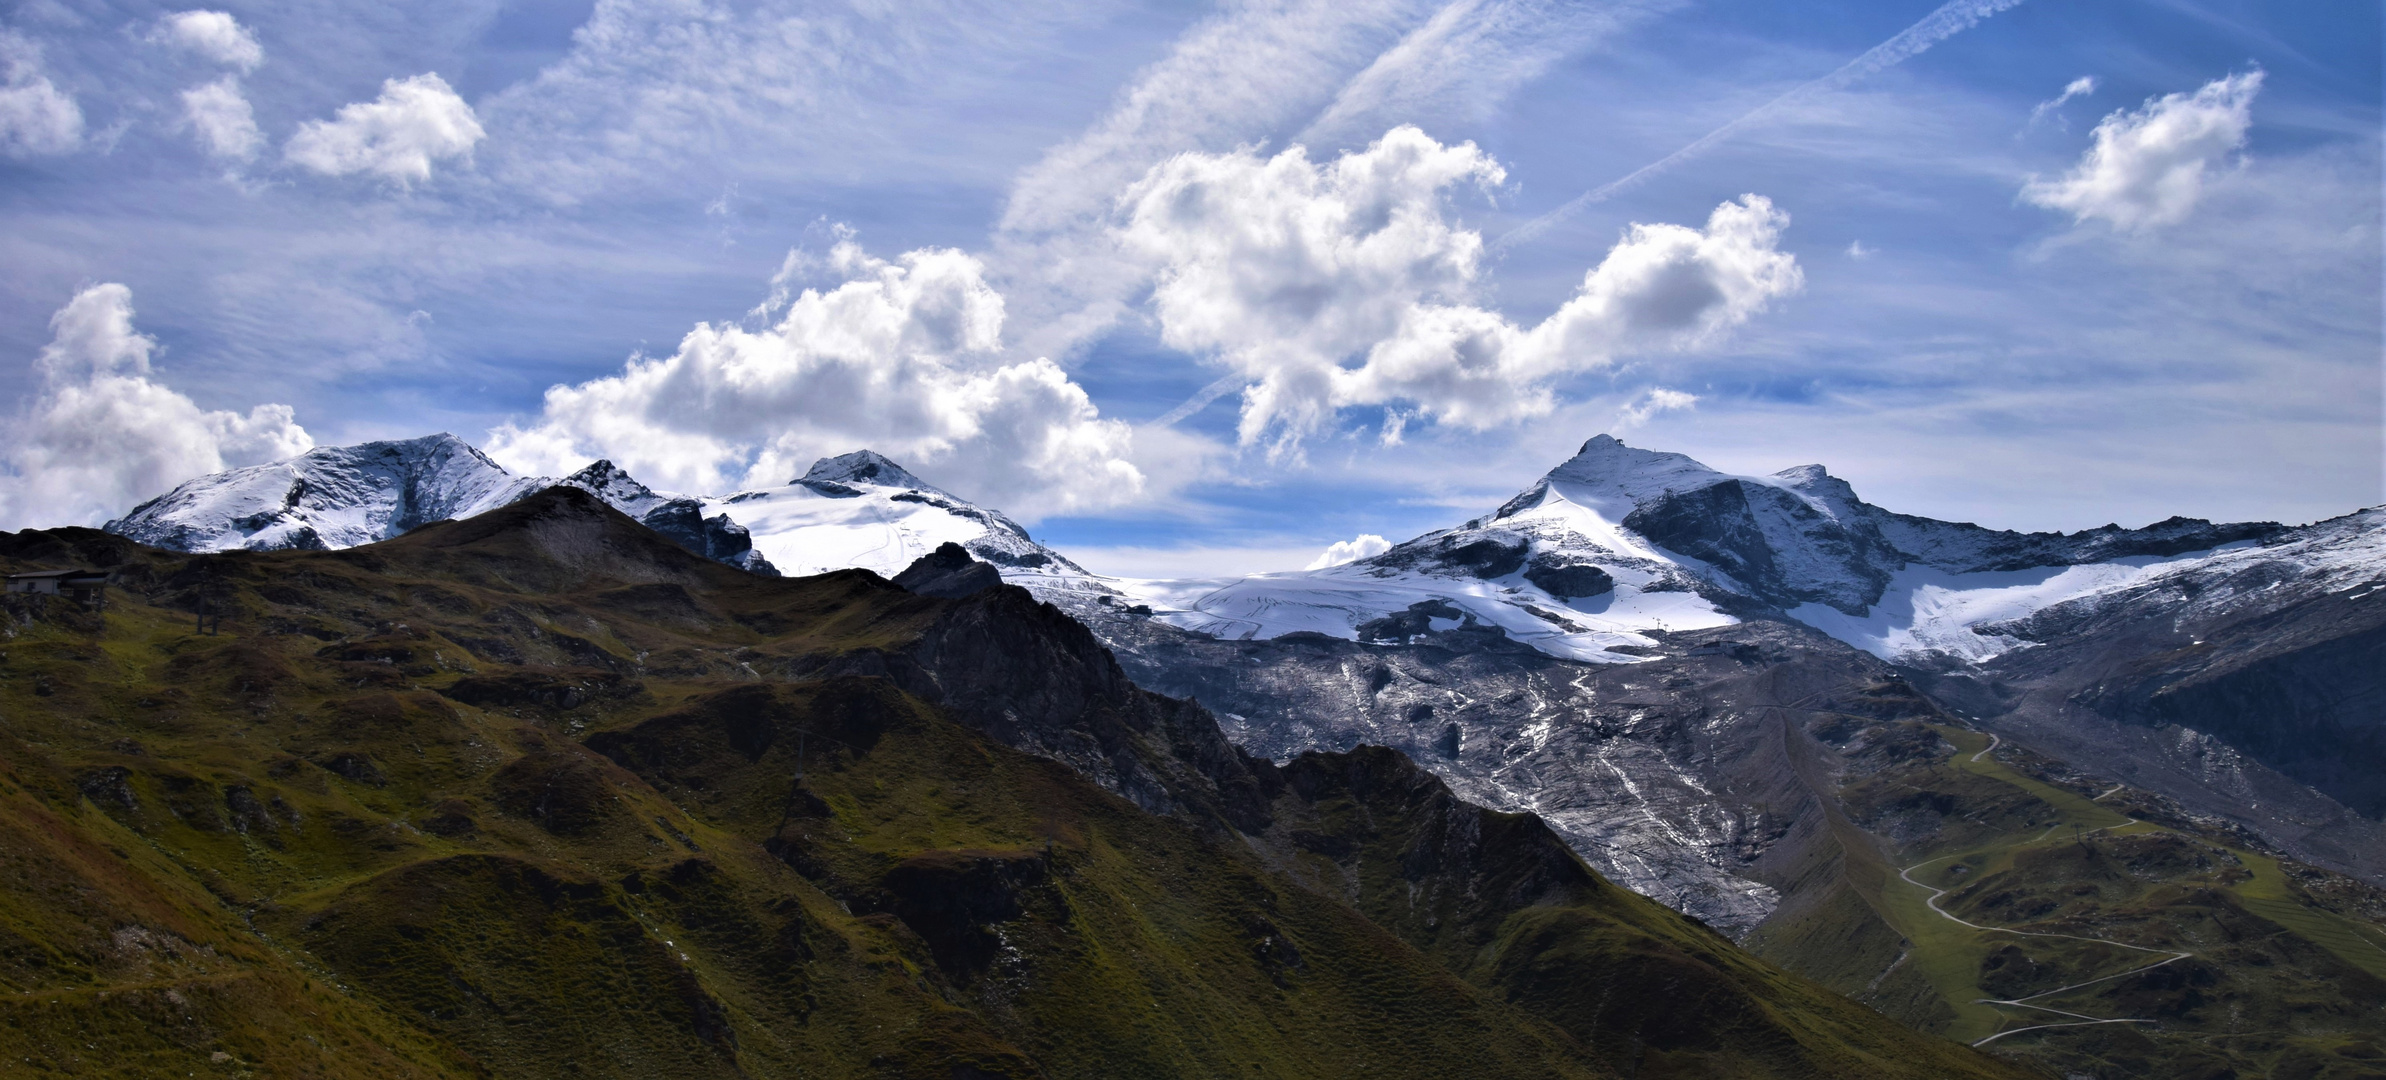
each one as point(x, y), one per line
point(2024, 1002)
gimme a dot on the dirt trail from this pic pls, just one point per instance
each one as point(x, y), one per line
point(2024, 1002)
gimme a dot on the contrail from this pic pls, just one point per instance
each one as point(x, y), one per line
point(1949, 20)
point(1201, 400)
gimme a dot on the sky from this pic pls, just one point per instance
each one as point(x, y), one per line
point(1202, 288)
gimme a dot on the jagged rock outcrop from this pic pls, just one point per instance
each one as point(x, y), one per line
point(948, 572)
point(677, 517)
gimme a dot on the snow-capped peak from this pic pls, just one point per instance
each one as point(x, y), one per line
point(1618, 540)
point(1605, 468)
point(343, 496)
point(609, 482)
point(328, 497)
point(864, 510)
point(862, 467)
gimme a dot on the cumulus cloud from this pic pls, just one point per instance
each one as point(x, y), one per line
point(1658, 400)
point(397, 136)
point(215, 35)
point(1365, 546)
point(102, 436)
point(2147, 167)
point(1287, 270)
point(904, 357)
point(220, 115)
point(36, 118)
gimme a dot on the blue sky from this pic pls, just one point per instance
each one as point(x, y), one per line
point(333, 223)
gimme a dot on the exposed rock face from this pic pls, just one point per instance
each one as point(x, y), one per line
point(1661, 774)
point(677, 517)
point(861, 467)
point(2250, 685)
point(1799, 536)
point(948, 572)
point(2177, 650)
point(1036, 679)
point(1738, 527)
point(1569, 580)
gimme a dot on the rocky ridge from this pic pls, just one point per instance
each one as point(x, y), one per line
point(339, 497)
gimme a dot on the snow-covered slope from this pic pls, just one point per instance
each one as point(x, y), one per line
point(863, 510)
point(1618, 541)
point(328, 497)
point(855, 510)
point(343, 496)
point(1594, 561)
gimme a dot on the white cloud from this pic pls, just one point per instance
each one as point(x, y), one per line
point(1336, 71)
point(36, 118)
point(220, 115)
point(1250, 69)
point(215, 35)
point(1365, 546)
point(904, 358)
point(1659, 399)
point(102, 436)
point(2076, 88)
point(2147, 167)
point(1285, 270)
point(413, 123)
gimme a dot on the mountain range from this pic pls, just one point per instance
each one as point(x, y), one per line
point(542, 793)
point(1709, 686)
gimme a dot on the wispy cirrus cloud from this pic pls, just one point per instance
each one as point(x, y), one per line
point(1948, 20)
point(1465, 60)
point(2076, 88)
point(1227, 80)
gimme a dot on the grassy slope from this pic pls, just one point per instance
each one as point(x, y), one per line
point(363, 833)
point(1498, 897)
point(2279, 983)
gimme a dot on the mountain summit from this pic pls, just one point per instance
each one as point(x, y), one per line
point(864, 467)
point(862, 510)
point(343, 496)
point(1618, 541)
point(328, 497)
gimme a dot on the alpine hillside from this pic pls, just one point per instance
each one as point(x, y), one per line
point(1781, 710)
point(538, 793)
